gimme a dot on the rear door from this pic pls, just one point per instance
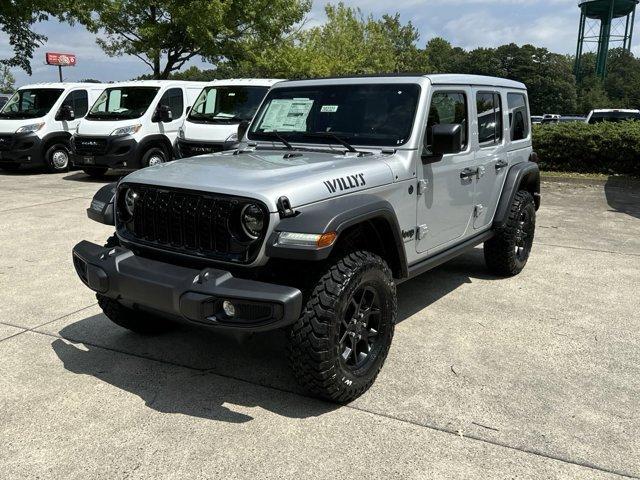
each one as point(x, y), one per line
point(446, 204)
point(491, 155)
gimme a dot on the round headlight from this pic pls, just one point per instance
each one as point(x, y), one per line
point(130, 198)
point(252, 220)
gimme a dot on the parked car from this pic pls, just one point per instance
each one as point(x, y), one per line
point(612, 115)
point(343, 189)
point(132, 125)
point(564, 119)
point(537, 119)
point(212, 123)
point(38, 120)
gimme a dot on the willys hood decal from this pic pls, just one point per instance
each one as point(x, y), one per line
point(303, 177)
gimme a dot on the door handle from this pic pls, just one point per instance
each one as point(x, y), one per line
point(468, 173)
point(500, 164)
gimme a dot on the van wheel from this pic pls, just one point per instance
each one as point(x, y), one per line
point(507, 252)
point(95, 172)
point(57, 158)
point(340, 342)
point(154, 156)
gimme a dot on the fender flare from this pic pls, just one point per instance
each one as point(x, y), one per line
point(522, 176)
point(102, 209)
point(49, 138)
point(336, 215)
point(152, 141)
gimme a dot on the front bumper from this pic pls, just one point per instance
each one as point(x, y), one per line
point(190, 148)
point(183, 293)
point(109, 152)
point(20, 149)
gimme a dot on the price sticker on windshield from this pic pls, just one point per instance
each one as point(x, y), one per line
point(329, 109)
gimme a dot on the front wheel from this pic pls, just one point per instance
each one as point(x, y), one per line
point(57, 158)
point(507, 252)
point(154, 156)
point(340, 342)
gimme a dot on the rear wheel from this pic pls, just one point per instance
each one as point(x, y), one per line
point(57, 158)
point(507, 252)
point(340, 342)
point(95, 172)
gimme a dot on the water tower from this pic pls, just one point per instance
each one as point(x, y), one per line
point(604, 23)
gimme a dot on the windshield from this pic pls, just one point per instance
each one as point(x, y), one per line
point(365, 114)
point(31, 103)
point(122, 103)
point(614, 117)
point(231, 104)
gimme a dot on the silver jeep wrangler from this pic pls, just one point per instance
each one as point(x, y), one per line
point(342, 189)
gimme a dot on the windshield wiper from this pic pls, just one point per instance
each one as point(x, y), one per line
point(282, 139)
point(335, 137)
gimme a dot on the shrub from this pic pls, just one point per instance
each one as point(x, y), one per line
point(609, 148)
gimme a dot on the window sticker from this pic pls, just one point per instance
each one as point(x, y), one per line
point(287, 115)
point(329, 109)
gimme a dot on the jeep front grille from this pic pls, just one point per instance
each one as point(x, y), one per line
point(90, 145)
point(194, 223)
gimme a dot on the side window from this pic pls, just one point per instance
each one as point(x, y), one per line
point(447, 108)
point(489, 108)
point(174, 99)
point(78, 101)
point(518, 116)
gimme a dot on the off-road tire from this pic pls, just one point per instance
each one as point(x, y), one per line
point(506, 254)
point(131, 319)
point(315, 351)
point(95, 172)
point(52, 163)
point(154, 152)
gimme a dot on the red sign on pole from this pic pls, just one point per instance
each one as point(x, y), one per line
point(61, 59)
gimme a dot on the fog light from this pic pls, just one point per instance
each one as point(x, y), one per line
point(229, 308)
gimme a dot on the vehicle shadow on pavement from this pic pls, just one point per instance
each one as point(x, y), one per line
point(623, 195)
point(84, 178)
point(205, 373)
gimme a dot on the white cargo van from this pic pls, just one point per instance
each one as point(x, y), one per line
point(132, 125)
point(38, 120)
point(212, 124)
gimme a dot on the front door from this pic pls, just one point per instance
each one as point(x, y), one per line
point(174, 99)
point(445, 206)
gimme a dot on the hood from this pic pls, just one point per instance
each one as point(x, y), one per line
point(104, 127)
point(11, 125)
point(208, 132)
point(268, 175)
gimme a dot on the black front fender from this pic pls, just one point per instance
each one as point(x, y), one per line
point(522, 176)
point(101, 209)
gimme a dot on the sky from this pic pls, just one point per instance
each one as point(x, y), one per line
point(466, 23)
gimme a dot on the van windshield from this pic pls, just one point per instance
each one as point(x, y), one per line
point(31, 103)
point(364, 114)
point(122, 103)
point(231, 104)
point(600, 117)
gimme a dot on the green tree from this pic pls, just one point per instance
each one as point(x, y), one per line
point(442, 57)
point(166, 35)
point(7, 80)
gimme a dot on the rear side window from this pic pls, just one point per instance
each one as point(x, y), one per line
point(173, 98)
point(447, 108)
point(79, 102)
point(489, 108)
point(518, 116)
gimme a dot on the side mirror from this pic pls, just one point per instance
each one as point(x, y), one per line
point(242, 129)
point(66, 114)
point(163, 114)
point(445, 139)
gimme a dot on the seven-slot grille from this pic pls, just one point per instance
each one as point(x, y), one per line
point(90, 145)
point(196, 223)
